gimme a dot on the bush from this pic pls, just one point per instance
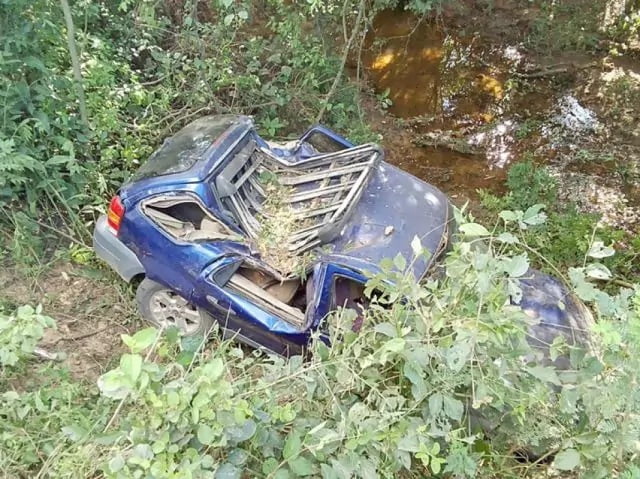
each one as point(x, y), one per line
point(529, 185)
point(443, 383)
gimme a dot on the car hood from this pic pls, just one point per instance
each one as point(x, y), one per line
point(394, 208)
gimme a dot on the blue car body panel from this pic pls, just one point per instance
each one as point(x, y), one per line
point(393, 208)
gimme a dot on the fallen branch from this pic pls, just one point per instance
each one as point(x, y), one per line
point(555, 70)
point(79, 337)
point(445, 140)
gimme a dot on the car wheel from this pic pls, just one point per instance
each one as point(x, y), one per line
point(165, 308)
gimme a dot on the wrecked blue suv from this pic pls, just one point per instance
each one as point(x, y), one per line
point(267, 239)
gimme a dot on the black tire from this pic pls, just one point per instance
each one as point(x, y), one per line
point(151, 297)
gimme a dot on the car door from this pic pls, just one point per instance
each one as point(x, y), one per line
point(336, 287)
point(243, 319)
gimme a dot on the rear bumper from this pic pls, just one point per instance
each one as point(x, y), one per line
point(112, 251)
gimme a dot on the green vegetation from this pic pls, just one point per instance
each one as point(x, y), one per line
point(443, 384)
point(435, 385)
point(564, 238)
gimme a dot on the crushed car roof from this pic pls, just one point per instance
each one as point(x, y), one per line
point(348, 207)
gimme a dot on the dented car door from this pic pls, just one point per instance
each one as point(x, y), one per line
point(244, 317)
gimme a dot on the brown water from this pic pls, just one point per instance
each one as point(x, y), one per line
point(428, 72)
point(450, 83)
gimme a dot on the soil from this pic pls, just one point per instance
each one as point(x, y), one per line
point(91, 311)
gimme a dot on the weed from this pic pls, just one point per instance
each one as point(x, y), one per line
point(529, 184)
point(527, 128)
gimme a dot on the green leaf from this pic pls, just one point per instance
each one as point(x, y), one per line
point(599, 250)
point(206, 435)
point(457, 356)
point(213, 369)
point(116, 463)
point(74, 432)
point(544, 373)
point(301, 466)
point(436, 464)
point(131, 365)
point(227, 471)
point(508, 238)
point(191, 344)
point(534, 215)
point(114, 384)
point(474, 229)
point(387, 329)
point(394, 345)
point(399, 262)
point(517, 265)
point(453, 408)
point(567, 460)
point(435, 404)
point(292, 446)
point(282, 473)
point(269, 466)
point(172, 334)
point(508, 216)
point(597, 271)
point(141, 340)
point(328, 472)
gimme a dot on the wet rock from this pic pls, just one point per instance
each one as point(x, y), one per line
point(574, 117)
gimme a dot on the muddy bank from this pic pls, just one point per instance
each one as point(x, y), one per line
point(460, 107)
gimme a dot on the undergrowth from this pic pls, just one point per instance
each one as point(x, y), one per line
point(441, 384)
point(566, 234)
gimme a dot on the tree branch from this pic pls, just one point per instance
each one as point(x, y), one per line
point(75, 61)
point(345, 55)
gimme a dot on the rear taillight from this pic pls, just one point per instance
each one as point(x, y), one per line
point(115, 214)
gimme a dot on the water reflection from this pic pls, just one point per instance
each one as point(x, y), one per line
point(447, 82)
point(426, 71)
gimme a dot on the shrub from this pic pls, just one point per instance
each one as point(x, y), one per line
point(20, 332)
point(442, 383)
point(529, 185)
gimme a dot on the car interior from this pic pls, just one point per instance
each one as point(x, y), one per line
point(286, 299)
point(184, 218)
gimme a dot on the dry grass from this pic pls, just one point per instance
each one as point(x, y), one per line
point(279, 223)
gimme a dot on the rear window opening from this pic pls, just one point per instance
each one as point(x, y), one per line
point(323, 143)
point(285, 298)
point(185, 219)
